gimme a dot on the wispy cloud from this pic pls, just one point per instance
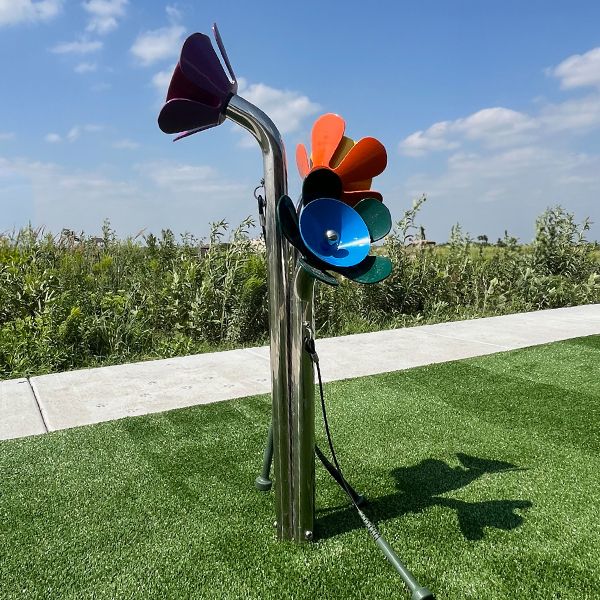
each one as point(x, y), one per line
point(13, 12)
point(85, 67)
point(6, 136)
point(502, 127)
point(104, 15)
point(181, 178)
point(498, 160)
point(81, 46)
point(287, 108)
point(579, 70)
point(125, 144)
point(161, 81)
point(153, 195)
point(73, 134)
point(492, 127)
point(53, 138)
point(159, 44)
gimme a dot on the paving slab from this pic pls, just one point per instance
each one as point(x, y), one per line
point(93, 395)
point(102, 394)
point(524, 329)
point(19, 412)
point(385, 351)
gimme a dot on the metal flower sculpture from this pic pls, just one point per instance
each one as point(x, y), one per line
point(332, 228)
point(339, 215)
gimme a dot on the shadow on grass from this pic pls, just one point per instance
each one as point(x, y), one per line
point(421, 487)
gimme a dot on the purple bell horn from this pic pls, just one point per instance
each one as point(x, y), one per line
point(200, 89)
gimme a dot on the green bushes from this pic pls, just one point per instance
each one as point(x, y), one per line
point(69, 302)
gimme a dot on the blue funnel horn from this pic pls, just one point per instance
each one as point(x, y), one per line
point(335, 233)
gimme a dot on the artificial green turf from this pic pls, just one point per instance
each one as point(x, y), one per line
point(483, 475)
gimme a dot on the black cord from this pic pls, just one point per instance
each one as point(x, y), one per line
point(310, 348)
point(418, 592)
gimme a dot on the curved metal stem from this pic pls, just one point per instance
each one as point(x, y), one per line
point(293, 408)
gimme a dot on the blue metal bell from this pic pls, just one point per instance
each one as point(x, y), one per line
point(334, 232)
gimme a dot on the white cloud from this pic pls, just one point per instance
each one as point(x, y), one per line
point(159, 44)
point(81, 46)
point(126, 144)
point(85, 67)
point(422, 142)
point(579, 70)
point(501, 127)
point(490, 191)
point(154, 196)
point(104, 14)
point(188, 179)
point(161, 81)
point(173, 13)
point(74, 133)
point(500, 168)
point(286, 108)
point(493, 127)
point(6, 136)
point(19, 11)
point(578, 115)
point(53, 138)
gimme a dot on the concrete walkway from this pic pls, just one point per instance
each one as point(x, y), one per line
point(63, 400)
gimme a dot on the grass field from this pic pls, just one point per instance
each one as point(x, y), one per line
point(483, 475)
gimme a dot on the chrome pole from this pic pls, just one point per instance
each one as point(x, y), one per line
point(302, 405)
point(290, 307)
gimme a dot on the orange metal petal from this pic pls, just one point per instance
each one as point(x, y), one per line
point(353, 198)
point(327, 133)
point(344, 147)
point(359, 185)
point(302, 160)
point(365, 160)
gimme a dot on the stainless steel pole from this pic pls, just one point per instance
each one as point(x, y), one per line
point(302, 405)
point(290, 309)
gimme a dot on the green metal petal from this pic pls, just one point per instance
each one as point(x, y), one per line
point(377, 217)
point(371, 270)
point(317, 273)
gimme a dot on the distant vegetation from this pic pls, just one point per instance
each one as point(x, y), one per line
point(68, 302)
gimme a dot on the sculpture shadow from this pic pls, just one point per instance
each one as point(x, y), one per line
point(421, 486)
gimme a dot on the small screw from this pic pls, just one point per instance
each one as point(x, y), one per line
point(308, 536)
point(332, 236)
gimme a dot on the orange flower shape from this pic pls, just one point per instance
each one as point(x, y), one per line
point(354, 163)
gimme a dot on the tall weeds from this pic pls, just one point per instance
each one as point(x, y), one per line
point(73, 301)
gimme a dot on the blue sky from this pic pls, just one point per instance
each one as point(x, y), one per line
point(492, 109)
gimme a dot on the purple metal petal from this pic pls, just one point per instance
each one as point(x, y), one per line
point(201, 65)
point(182, 87)
point(190, 132)
point(199, 90)
point(181, 114)
point(225, 57)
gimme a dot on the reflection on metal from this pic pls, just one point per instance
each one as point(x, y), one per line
point(282, 301)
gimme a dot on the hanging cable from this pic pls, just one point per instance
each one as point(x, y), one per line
point(418, 592)
point(260, 199)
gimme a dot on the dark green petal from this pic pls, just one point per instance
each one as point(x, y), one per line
point(377, 217)
point(371, 270)
point(317, 273)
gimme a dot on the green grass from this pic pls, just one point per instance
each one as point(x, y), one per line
point(483, 475)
